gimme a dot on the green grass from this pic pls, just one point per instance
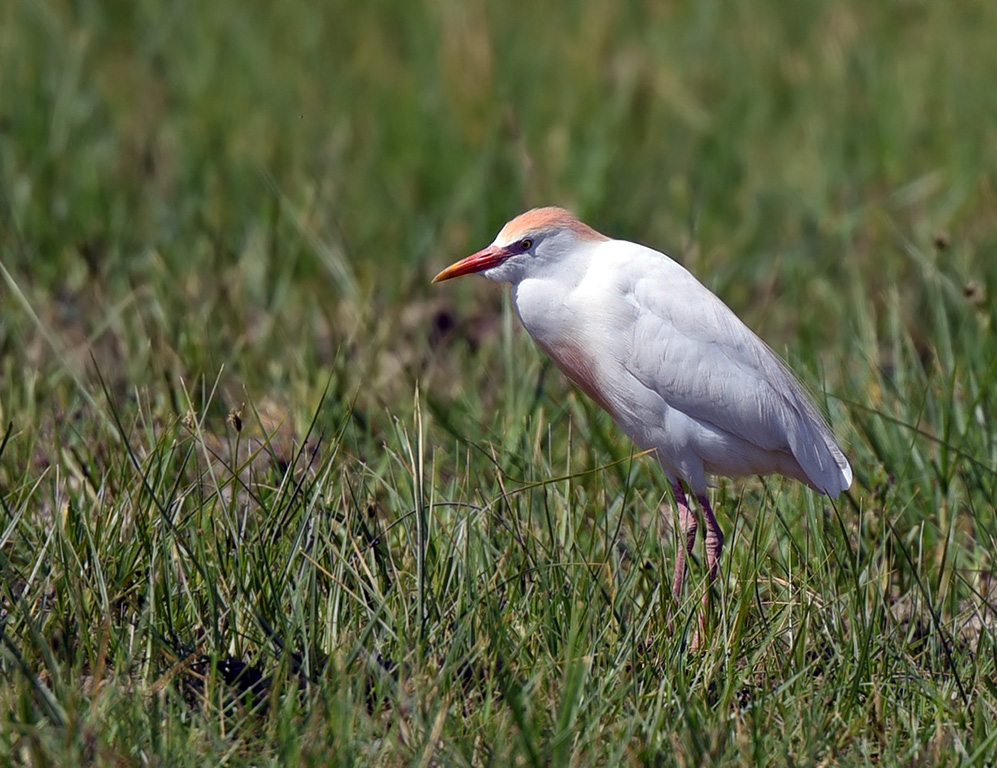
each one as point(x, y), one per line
point(239, 426)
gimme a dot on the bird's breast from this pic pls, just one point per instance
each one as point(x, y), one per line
point(574, 332)
point(575, 363)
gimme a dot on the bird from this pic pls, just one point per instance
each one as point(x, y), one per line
point(672, 364)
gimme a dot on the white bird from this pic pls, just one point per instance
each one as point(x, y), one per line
point(669, 361)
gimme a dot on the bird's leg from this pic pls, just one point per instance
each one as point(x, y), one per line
point(688, 525)
point(714, 538)
point(714, 546)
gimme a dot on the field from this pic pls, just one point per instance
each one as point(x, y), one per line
point(270, 497)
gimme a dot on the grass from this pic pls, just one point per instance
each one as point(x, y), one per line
point(268, 497)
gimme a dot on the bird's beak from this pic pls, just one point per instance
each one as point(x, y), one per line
point(490, 257)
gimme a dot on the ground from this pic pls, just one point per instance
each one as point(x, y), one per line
point(269, 497)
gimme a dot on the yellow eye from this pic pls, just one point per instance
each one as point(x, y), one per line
point(525, 245)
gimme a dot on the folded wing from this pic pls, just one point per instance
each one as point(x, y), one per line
point(691, 349)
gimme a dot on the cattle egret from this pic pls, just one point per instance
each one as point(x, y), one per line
point(670, 362)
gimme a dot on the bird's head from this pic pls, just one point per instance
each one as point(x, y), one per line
point(526, 245)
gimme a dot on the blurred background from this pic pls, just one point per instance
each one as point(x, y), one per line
point(267, 186)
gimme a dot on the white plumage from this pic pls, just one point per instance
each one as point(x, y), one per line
point(670, 362)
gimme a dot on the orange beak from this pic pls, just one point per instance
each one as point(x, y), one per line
point(490, 257)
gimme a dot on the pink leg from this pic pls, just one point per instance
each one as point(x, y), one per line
point(714, 539)
point(688, 525)
point(714, 546)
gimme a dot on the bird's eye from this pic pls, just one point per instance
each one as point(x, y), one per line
point(525, 245)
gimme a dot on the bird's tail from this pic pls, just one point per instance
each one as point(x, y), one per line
point(819, 455)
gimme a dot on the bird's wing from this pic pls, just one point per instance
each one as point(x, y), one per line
point(691, 349)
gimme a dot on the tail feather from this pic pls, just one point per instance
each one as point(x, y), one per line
point(818, 453)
